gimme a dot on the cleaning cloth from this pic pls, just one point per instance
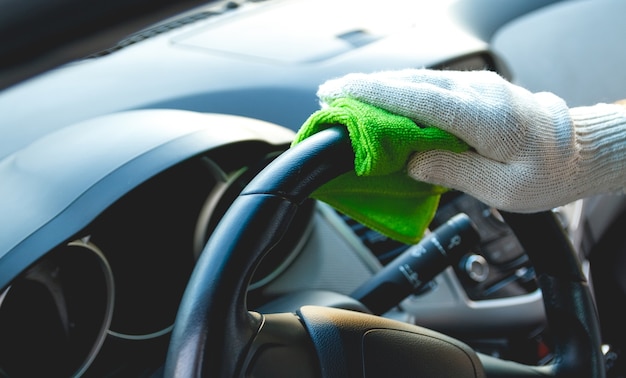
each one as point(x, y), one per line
point(379, 193)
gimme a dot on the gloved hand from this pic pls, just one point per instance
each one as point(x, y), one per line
point(530, 152)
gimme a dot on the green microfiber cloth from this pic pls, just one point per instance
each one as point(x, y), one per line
point(379, 193)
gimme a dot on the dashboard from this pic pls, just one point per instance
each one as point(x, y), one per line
point(131, 228)
point(110, 292)
point(112, 289)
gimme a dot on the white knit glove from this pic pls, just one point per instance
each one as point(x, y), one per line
point(530, 151)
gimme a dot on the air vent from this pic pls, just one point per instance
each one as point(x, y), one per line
point(385, 249)
point(154, 31)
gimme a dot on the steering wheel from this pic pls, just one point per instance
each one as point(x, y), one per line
point(215, 335)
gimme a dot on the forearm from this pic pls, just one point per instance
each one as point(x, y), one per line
point(601, 135)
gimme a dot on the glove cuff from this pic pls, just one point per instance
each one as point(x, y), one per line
point(601, 138)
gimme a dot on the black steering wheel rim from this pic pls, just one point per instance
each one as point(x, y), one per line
point(214, 331)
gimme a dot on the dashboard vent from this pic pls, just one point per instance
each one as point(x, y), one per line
point(153, 32)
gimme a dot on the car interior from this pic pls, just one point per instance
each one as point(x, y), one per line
point(157, 221)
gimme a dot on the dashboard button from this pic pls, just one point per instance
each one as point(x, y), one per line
point(476, 267)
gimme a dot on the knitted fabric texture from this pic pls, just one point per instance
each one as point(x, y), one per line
point(379, 193)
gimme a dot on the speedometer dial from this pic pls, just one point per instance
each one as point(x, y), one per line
point(56, 314)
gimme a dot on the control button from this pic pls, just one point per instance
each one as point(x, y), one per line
point(476, 268)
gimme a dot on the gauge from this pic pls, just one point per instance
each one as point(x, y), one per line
point(54, 317)
point(146, 237)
